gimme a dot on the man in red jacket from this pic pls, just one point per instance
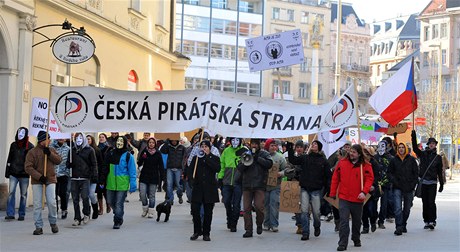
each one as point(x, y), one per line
point(353, 176)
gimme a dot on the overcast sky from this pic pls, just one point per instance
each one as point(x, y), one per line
point(378, 10)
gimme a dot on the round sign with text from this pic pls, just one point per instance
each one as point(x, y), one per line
point(73, 49)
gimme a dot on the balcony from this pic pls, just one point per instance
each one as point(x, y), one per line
point(283, 72)
point(364, 95)
point(355, 68)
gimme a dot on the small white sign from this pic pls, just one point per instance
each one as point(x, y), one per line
point(73, 49)
point(275, 50)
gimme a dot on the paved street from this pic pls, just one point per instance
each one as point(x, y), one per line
point(142, 234)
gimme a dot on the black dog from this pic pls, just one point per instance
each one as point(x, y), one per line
point(165, 208)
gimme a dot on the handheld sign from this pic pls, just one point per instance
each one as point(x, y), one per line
point(275, 50)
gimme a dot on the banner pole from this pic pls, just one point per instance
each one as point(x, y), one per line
point(46, 146)
point(413, 94)
point(357, 114)
point(280, 85)
point(196, 160)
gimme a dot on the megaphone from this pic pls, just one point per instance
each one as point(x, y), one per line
point(201, 153)
point(247, 159)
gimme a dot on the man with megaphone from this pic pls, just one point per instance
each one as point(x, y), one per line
point(255, 175)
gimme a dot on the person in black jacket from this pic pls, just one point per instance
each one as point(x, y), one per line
point(370, 213)
point(254, 177)
point(94, 179)
point(403, 174)
point(16, 174)
point(100, 189)
point(204, 193)
point(314, 177)
point(174, 168)
point(151, 174)
point(84, 166)
point(430, 172)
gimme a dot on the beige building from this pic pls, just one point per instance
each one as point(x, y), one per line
point(134, 51)
point(296, 80)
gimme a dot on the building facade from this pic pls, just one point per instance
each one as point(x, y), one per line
point(134, 51)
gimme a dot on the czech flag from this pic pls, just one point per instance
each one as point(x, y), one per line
point(397, 97)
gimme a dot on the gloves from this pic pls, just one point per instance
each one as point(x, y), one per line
point(289, 146)
point(395, 135)
point(43, 180)
point(241, 151)
point(220, 183)
point(441, 188)
point(47, 151)
point(413, 134)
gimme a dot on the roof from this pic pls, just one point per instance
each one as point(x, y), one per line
point(346, 11)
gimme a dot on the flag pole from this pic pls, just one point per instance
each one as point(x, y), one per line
point(46, 146)
point(357, 114)
point(196, 160)
point(413, 94)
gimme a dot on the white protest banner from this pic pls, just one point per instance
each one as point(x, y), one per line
point(332, 140)
point(38, 120)
point(275, 50)
point(367, 137)
point(91, 109)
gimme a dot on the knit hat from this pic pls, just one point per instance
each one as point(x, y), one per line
point(206, 142)
point(268, 142)
point(320, 145)
point(299, 143)
point(255, 140)
point(41, 136)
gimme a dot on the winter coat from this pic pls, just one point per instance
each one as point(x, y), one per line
point(426, 157)
point(63, 151)
point(255, 176)
point(35, 164)
point(84, 163)
point(347, 178)
point(279, 160)
point(404, 173)
point(175, 155)
point(17, 156)
point(229, 174)
point(120, 171)
point(152, 167)
point(315, 173)
point(204, 183)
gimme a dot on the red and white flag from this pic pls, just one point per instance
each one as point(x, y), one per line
point(397, 97)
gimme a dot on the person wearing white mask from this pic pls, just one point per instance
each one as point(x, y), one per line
point(16, 173)
point(84, 166)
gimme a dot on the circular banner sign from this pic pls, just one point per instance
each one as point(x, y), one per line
point(73, 49)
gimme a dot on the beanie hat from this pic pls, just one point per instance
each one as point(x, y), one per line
point(255, 140)
point(320, 145)
point(41, 136)
point(299, 143)
point(206, 142)
point(268, 142)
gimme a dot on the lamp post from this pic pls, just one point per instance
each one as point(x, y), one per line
point(438, 94)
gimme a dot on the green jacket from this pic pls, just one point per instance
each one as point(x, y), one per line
point(228, 163)
point(122, 176)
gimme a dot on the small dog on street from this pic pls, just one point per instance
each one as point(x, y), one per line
point(165, 208)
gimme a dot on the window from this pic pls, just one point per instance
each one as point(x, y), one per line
point(216, 50)
point(320, 66)
point(229, 52)
point(426, 32)
point(246, 7)
point(349, 82)
point(320, 92)
point(217, 26)
point(242, 53)
point(290, 15)
point(304, 17)
point(276, 13)
point(195, 83)
point(302, 90)
point(286, 87)
point(304, 39)
point(256, 30)
point(202, 49)
point(244, 29)
point(304, 65)
point(136, 5)
point(435, 29)
point(230, 27)
point(426, 59)
point(350, 58)
point(191, 2)
point(360, 59)
point(434, 58)
point(219, 4)
point(443, 30)
point(443, 56)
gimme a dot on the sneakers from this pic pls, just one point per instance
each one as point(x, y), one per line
point(248, 234)
point(317, 231)
point(259, 230)
point(54, 228)
point(85, 219)
point(145, 211)
point(305, 237)
point(365, 231)
point(341, 248)
point(195, 236)
point(274, 229)
point(426, 226)
point(381, 226)
point(373, 228)
point(116, 225)
point(182, 201)
point(150, 215)
point(431, 225)
point(38, 231)
point(20, 218)
point(76, 223)
point(9, 218)
point(64, 215)
point(398, 232)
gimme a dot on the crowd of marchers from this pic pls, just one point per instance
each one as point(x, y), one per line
point(373, 185)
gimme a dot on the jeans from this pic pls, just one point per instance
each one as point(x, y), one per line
point(116, 200)
point(272, 208)
point(50, 194)
point(307, 198)
point(347, 208)
point(80, 188)
point(173, 177)
point(92, 193)
point(147, 193)
point(232, 201)
point(429, 202)
point(402, 211)
point(11, 205)
point(386, 201)
point(370, 213)
point(61, 191)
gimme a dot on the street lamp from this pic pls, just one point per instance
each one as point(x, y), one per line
point(438, 97)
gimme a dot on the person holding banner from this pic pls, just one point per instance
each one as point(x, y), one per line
point(120, 175)
point(100, 189)
point(255, 174)
point(16, 174)
point(35, 167)
point(353, 177)
point(94, 179)
point(314, 177)
point(272, 193)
